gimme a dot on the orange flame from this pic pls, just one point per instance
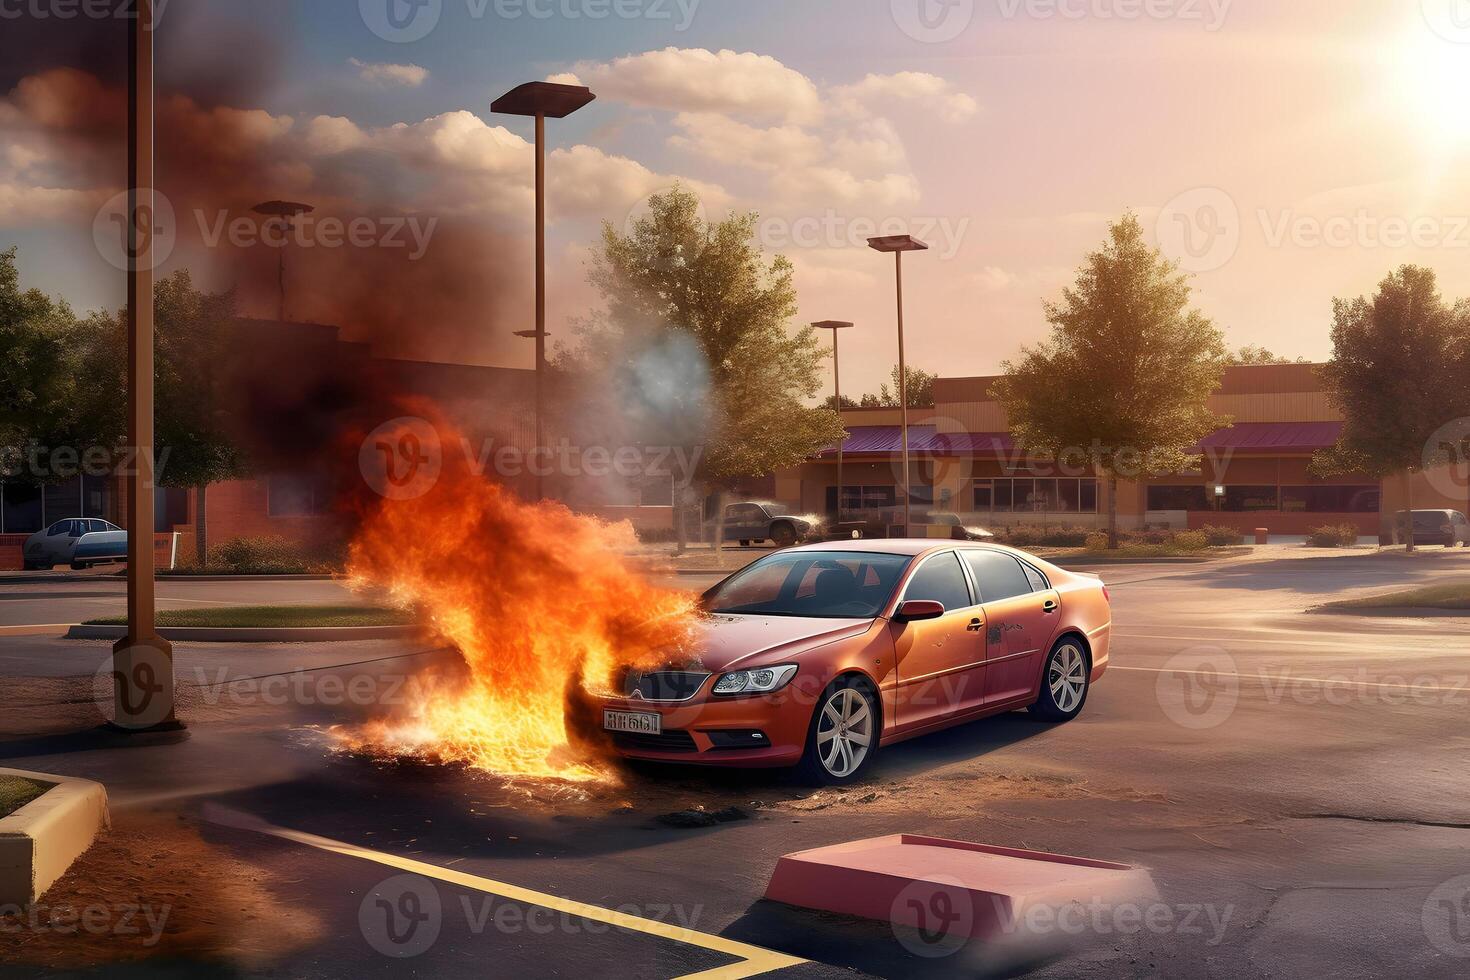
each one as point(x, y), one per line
point(541, 604)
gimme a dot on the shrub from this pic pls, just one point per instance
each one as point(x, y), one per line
point(260, 556)
point(1189, 541)
point(1333, 536)
point(1222, 537)
point(1035, 536)
point(1097, 541)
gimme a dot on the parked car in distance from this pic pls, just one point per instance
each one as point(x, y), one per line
point(77, 541)
point(816, 656)
point(958, 529)
point(755, 521)
point(1446, 527)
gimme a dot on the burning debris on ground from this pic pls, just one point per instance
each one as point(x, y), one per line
point(540, 603)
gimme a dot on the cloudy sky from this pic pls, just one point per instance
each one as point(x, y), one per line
point(1287, 153)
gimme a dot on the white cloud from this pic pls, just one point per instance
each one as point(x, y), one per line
point(384, 73)
point(698, 80)
point(838, 188)
point(718, 137)
point(907, 86)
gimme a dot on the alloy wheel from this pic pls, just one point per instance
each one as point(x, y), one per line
point(1067, 678)
point(844, 732)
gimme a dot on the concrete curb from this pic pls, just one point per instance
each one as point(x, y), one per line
point(40, 841)
point(258, 634)
point(1405, 612)
point(37, 629)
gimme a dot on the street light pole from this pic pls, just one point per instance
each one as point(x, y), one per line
point(834, 326)
point(142, 661)
point(286, 211)
point(541, 100)
point(899, 244)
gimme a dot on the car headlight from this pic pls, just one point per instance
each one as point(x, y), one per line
point(761, 680)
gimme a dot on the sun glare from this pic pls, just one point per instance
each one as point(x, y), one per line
point(1435, 76)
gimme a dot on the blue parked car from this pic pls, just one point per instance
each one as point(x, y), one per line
point(78, 541)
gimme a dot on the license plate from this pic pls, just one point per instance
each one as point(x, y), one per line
point(635, 722)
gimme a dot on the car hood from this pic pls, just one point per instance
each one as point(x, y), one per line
point(732, 642)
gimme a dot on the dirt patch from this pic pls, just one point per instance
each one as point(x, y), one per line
point(152, 887)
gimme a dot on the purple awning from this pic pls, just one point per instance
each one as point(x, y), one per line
point(884, 440)
point(1273, 436)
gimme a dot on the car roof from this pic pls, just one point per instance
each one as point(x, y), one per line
point(902, 546)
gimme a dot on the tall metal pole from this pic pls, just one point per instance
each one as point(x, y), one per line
point(281, 267)
point(837, 393)
point(903, 400)
point(143, 688)
point(540, 293)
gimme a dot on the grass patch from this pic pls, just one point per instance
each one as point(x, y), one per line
point(257, 617)
point(17, 791)
point(1453, 596)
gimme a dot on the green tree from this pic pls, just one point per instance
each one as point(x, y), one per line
point(697, 336)
point(920, 388)
point(195, 331)
point(1126, 374)
point(1398, 374)
point(37, 377)
point(1249, 355)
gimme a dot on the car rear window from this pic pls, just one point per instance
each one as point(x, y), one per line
point(816, 584)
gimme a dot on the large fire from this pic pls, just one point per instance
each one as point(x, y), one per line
point(539, 601)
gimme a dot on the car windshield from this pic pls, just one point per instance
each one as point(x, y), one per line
point(815, 584)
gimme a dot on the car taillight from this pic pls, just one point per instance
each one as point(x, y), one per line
point(1107, 598)
point(1446, 529)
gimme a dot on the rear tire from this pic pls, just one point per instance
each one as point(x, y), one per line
point(80, 566)
point(1065, 681)
point(843, 736)
point(745, 543)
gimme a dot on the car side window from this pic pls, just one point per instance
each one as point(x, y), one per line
point(998, 576)
point(60, 527)
point(940, 579)
point(1037, 580)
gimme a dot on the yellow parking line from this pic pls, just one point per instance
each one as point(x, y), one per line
point(754, 960)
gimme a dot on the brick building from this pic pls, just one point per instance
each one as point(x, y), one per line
point(1253, 474)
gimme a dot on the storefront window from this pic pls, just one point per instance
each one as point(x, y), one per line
point(1036, 496)
point(1178, 498)
point(1250, 498)
point(1331, 500)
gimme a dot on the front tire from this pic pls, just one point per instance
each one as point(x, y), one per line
point(843, 736)
point(783, 535)
point(1064, 682)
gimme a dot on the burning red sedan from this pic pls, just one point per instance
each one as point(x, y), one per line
point(817, 656)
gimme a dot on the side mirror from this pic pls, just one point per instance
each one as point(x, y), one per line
point(918, 609)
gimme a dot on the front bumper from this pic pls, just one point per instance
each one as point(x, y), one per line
point(699, 731)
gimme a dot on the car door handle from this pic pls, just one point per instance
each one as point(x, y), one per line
point(976, 625)
point(1049, 606)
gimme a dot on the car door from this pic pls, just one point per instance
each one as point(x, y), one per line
point(1021, 614)
point(61, 540)
point(740, 523)
point(941, 662)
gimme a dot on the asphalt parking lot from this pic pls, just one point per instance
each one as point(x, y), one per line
point(1295, 783)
